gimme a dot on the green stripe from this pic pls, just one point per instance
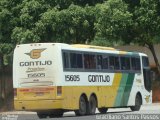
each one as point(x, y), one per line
point(121, 90)
point(128, 88)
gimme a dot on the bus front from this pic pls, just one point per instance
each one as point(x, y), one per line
point(34, 79)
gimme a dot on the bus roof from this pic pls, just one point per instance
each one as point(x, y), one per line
point(84, 46)
point(92, 47)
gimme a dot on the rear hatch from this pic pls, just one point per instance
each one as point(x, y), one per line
point(34, 71)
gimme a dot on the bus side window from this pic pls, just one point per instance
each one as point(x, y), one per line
point(125, 63)
point(145, 62)
point(135, 63)
point(111, 62)
point(99, 62)
point(102, 62)
point(138, 65)
point(65, 60)
point(89, 61)
point(128, 63)
point(76, 60)
point(117, 63)
point(114, 63)
point(105, 62)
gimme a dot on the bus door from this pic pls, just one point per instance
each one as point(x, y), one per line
point(146, 73)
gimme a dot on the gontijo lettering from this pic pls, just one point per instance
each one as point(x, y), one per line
point(99, 78)
point(35, 63)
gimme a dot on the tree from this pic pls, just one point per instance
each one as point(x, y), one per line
point(22, 21)
point(112, 20)
point(139, 23)
point(72, 25)
point(27, 21)
point(146, 25)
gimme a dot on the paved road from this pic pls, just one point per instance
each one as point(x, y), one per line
point(148, 112)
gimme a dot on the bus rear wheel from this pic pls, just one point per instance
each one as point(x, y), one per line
point(92, 105)
point(103, 110)
point(82, 107)
point(138, 103)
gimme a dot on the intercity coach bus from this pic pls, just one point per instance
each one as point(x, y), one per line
point(52, 78)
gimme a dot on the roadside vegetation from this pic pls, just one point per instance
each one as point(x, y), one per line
point(98, 22)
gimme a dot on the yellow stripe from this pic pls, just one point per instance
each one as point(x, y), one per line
point(92, 47)
point(114, 89)
point(122, 52)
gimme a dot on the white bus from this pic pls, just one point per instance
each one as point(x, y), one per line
point(51, 78)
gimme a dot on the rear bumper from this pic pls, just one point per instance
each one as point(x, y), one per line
point(36, 105)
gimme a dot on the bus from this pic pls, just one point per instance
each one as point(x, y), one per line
point(52, 78)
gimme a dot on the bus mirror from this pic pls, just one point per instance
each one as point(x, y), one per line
point(153, 75)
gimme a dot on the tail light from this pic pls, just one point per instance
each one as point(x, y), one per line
point(15, 92)
point(59, 90)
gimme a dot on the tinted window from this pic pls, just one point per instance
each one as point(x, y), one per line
point(102, 62)
point(65, 60)
point(76, 60)
point(111, 62)
point(138, 64)
point(105, 62)
point(117, 63)
point(114, 63)
point(145, 62)
point(135, 62)
point(128, 64)
point(99, 61)
point(125, 63)
point(89, 61)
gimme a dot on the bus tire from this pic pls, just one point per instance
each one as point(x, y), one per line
point(92, 105)
point(138, 103)
point(82, 106)
point(103, 110)
point(42, 115)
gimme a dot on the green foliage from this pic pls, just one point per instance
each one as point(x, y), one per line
point(100, 22)
point(70, 25)
point(26, 21)
point(6, 50)
point(109, 43)
point(21, 35)
point(147, 22)
point(112, 19)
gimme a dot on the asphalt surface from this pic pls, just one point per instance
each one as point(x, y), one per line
point(147, 112)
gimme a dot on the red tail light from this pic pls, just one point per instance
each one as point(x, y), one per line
point(59, 90)
point(15, 92)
